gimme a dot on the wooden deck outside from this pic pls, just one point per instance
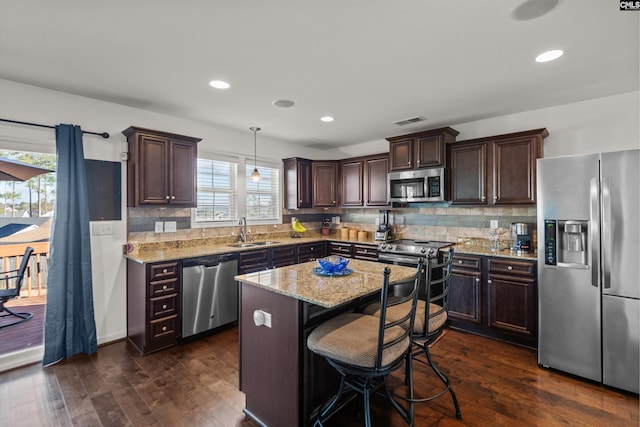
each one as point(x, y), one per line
point(35, 283)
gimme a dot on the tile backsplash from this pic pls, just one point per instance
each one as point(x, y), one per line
point(440, 222)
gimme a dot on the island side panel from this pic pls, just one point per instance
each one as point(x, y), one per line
point(269, 357)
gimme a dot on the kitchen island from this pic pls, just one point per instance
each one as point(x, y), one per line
point(282, 380)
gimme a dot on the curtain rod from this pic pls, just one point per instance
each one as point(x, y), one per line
point(103, 134)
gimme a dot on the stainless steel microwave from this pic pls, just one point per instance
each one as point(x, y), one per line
point(423, 185)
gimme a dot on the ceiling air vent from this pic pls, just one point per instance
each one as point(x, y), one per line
point(410, 120)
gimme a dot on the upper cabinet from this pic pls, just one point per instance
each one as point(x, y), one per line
point(424, 149)
point(325, 184)
point(297, 183)
point(161, 169)
point(364, 180)
point(496, 170)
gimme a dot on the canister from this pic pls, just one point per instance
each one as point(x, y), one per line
point(353, 234)
point(344, 233)
point(362, 236)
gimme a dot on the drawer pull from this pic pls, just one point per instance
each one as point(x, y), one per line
point(164, 306)
point(509, 268)
point(164, 270)
point(166, 197)
point(164, 329)
point(460, 261)
point(477, 280)
point(164, 287)
point(489, 281)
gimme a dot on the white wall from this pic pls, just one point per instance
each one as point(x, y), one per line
point(33, 104)
point(610, 123)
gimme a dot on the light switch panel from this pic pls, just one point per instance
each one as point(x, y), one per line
point(169, 226)
point(494, 223)
point(159, 227)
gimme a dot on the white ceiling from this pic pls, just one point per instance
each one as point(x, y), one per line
point(368, 63)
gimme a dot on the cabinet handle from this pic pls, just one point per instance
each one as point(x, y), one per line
point(408, 163)
point(333, 201)
point(477, 279)
point(166, 197)
point(164, 329)
point(164, 306)
point(173, 197)
point(164, 287)
point(483, 198)
point(509, 268)
point(164, 270)
point(460, 261)
point(300, 201)
point(489, 281)
point(418, 161)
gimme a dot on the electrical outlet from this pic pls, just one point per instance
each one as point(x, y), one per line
point(267, 319)
point(170, 226)
point(493, 223)
point(159, 227)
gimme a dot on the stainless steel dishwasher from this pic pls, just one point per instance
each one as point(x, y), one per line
point(209, 293)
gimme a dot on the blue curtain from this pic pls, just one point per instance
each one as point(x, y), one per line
point(70, 326)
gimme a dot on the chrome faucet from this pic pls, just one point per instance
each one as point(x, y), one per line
point(242, 237)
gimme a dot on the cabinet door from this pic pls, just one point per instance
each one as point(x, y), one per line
point(352, 188)
point(182, 173)
point(153, 163)
point(297, 183)
point(465, 296)
point(468, 174)
point(283, 256)
point(401, 155)
point(311, 251)
point(325, 176)
point(376, 181)
point(252, 261)
point(429, 151)
point(514, 173)
point(512, 304)
point(342, 249)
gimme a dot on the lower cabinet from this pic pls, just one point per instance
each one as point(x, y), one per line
point(311, 251)
point(495, 297)
point(364, 251)
point(153, 305)
point(254, 260)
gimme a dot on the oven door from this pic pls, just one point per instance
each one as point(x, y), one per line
point(405, 261)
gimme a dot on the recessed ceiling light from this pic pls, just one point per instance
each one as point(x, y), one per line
point(327, 119)
point(219, 84)
point(549, 55)
point(283, 103)
point(532, 9)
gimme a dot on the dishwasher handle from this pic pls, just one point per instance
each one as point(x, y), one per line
point(209, 261)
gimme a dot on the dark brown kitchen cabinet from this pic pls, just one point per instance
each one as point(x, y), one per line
point(364, 181)
point(298, 183)
point(253, 260)
point(311, 251)
point(325, 184)
point(282, 256)
point(494, 297)
point(496, 170)
point(425, 149)
point(340, 248)
point(153, 305)
point(465, 296)
point(161, 169)
point(365, 252)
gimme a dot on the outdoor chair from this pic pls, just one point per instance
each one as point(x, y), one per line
point(7, 292)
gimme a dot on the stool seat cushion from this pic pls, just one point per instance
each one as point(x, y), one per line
point(352, 338)
point(397, 311)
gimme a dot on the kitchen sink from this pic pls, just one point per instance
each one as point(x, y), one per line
point(242, 245)
point(268, 242)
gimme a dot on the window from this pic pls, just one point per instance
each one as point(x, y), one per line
point(263, 197)
point(217, 191)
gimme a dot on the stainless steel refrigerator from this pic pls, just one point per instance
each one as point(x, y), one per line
point(589, 266)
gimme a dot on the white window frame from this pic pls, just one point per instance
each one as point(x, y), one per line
point(241, 195)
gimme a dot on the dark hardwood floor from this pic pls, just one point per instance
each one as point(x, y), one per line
point(196, 384)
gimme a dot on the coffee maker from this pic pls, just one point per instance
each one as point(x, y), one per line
point(520, 237)
point(384, 233)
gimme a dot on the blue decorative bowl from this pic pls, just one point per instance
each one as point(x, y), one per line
point(333, 263)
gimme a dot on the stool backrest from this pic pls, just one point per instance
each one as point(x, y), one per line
point(436, 289)
point(405, 304)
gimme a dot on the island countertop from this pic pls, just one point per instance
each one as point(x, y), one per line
point(299, 282)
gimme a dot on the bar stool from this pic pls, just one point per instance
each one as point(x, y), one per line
point(365, 349)
point(430, 322)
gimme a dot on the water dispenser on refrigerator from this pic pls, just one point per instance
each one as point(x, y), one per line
point(566, 243)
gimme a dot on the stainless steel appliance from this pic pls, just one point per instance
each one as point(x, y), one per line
point(209, 293)
point(407, 252)
point(384, 232)
point(588, 269)
point(523, 238)
point(423, 185)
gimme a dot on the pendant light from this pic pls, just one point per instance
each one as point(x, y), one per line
point(255, 175)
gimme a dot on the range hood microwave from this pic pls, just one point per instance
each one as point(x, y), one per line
point(423, 185)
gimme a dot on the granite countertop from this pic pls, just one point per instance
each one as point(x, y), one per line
point(462, 248)
point(298, 281)
point(197, 250)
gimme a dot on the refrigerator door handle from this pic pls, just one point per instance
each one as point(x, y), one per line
point(594, 225)
point(607, 246)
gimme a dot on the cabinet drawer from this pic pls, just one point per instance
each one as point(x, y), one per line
point(249, 262)
point(365, 252)
point(163, 306)
point(342, 249)
point(310, 251)
point(512, 267)
point(163, 287)
point(283, 256)
point(163, 271)
point(165, 327)
point(466, 262)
